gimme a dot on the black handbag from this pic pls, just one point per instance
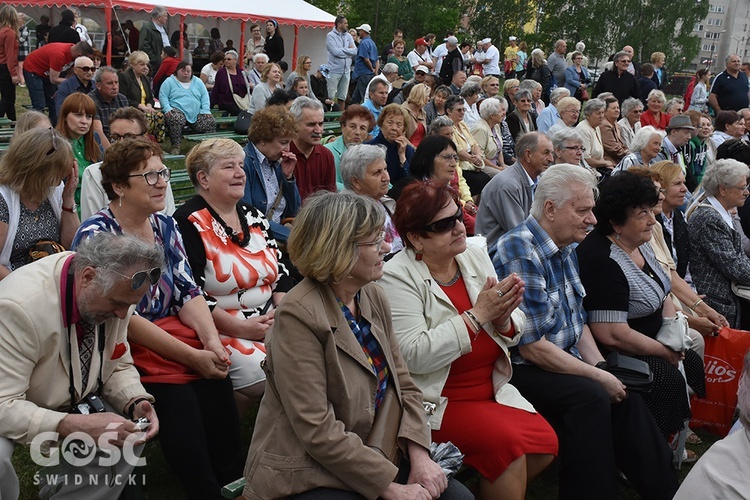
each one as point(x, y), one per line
point(634, 373)
point(242, 125)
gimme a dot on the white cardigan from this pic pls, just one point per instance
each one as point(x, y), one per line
point(431, 333)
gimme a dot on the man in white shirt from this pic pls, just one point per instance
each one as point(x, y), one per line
point(439, 53)
point(489, 57)
point(419, 56)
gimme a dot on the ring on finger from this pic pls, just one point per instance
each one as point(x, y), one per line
point(500, 293)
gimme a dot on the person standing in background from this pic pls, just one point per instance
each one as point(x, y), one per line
point(23, 46)
point(8, 61)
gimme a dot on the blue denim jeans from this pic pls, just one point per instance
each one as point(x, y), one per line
point(42, 93)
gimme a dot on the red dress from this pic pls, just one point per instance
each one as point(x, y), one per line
point(647, 118)
point(490, 435)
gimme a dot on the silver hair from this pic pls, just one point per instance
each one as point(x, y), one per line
point(630, 104)
point(580, 46)
point(232, 53)
point(302, 103)
point(673, 102)
point(470, 89)
point(658, 94)
point(592, 106)
point(523, 93)
point(641, 138)
point(528, 141)
point(439, 122)
point(563, 134)
point(529, 85)
point(537, 58)
point(356, 159)
point(743, 392)
point(159, 11)
point(100, 72)
point(558, 94)
point(726, 173)
point(258, 57)
point(558, 184)
point(620, 55)
point(110, 254)
point(491, 106)
point(390, 68)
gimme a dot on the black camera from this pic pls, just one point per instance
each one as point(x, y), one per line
point(91, 403)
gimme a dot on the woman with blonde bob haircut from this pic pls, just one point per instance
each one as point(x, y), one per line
point(35, 205)
point(416, 125)
point(332, 334)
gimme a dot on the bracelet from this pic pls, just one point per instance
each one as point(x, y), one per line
point(474, 321)
point(696, 304)
point(131, 408)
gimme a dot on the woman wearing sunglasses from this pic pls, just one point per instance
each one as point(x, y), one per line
point(35, 204)
point(455, 321)
point(234, 259)
point(174, 342)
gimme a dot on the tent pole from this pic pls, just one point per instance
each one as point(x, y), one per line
point(296, 46)
point(108, 23)
point(241, 62)
point(182, 36)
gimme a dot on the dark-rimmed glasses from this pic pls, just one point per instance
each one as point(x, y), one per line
point(445, 225)
point(137, 280)
point(86, 69)
point(117, 137)
point(152, 177)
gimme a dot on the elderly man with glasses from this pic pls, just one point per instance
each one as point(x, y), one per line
point(619, 81)
point(83, 69)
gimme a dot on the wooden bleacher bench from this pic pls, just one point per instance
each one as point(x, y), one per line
point(182, 188)
point(332, 116)
point(224, 134)
point(233, 489)
point(4, 122)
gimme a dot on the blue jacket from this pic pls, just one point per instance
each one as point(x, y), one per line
point(572, 82)
point(255, 192)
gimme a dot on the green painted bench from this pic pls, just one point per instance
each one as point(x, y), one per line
point(182, 188)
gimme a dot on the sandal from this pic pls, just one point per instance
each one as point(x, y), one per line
point(693, 438)
point(689, 456)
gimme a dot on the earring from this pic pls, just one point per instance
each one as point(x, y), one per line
point(120, 201)
point(418, 256)
point(617, 236)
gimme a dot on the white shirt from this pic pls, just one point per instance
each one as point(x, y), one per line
point(210, 72)
point(722, 211)
point(415, 59)
point(438, 55)
point(490, 60)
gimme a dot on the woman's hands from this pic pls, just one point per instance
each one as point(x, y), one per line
point(470, 207)
point(71, 183)
point(255, 328)
point(426, 480)
point(288, 162)
point(402, 142)
point(495, 307)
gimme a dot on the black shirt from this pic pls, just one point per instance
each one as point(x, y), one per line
point(731, 92)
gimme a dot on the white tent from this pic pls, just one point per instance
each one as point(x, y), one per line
point(302, 25)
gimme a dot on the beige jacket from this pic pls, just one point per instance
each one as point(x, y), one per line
point(317, 410)
point(432, 334)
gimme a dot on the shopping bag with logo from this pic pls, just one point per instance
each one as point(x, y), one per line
point(723, 365)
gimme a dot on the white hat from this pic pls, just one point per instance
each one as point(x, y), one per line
point(486, 40)
point(364, 27)
point(512, 38)
point(452, 40)
point(423, 69)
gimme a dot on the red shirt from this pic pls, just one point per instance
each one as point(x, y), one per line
point(9, 49)
point(649, 119)
point(316, 172)
point(53, 56)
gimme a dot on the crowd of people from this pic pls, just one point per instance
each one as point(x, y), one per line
point(461, 253)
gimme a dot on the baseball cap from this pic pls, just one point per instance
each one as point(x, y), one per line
point(324, 70)
point(422, 68)
point(512, 38)
point(364, 27)
point(452, 40)
point(420, 41)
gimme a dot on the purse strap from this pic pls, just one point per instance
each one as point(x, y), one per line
point(275, 205)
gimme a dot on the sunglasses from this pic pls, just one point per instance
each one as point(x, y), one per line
point(54, 142)
point(153, 176)
point(137, 280)
point(445, 225)
point(86, 69)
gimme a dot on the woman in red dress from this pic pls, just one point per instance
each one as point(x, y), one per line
point(455, 322)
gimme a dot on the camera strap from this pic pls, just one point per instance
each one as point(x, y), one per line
point(100, 341)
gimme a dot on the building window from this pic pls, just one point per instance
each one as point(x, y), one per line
point(697, 27)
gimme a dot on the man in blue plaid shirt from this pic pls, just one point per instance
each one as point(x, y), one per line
point(601, 426)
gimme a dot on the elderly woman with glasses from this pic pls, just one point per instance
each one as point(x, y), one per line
point(630, 123)
point(35, 204)
point(490, 87)
point(254, 45)
point(469, 152)
point(455, 321)
point(654, 115)
point(230, 86)
point(341, 405)
point(716, 257)
point(510, 89)
point(522, 120)
point(594, 114)
point(173, 339)
point(488, 133)
point(364, 171)
point(626, 289)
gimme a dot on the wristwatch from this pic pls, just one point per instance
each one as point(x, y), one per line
point(72, 209)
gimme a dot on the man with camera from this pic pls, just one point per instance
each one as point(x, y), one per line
point(66, 372)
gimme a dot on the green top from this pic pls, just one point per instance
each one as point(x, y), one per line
point(405, 70)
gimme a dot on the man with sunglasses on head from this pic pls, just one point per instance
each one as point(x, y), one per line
point(80, 81)
point(66, 372)
point(506, 199)
point(619, 80)
point(124, 123)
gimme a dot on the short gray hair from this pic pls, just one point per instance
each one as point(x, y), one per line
point(558, 184)
point(620, 55)
point(523, 93)
point(656, 93)
point(592, 106)
point(558, 94)
point(529, 85)
point(725, 173)
point(356, 159)
point(258, 57)
point(439, 122)
point(491, 106)
point(159, 11)
point(563, 134)
point(673, 102)
point(390, 68)
point(114, 254)
point(100, 72)
point(630, 104)
point(232, 53)
point(641, 138)
point(529, 140)
point(470, 89)
point(302, 103)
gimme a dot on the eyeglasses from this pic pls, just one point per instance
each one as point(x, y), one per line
point(54, 142)
point(661, 191)
point(445, 225)
point(449, 157)
point(626, 61)
point(118, 137)
point(137, 280)
point(375, 243)
point(741, 188)
point(575, 148)
point(86, 69)
point(153, 176)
